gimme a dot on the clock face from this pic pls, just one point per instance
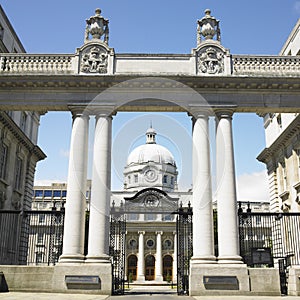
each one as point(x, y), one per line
point(150, 175)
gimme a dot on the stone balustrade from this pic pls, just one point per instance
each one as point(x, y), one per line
point(36, 64)
point(266, 65)
point(242, 65)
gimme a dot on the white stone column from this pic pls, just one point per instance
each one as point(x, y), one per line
point(141, 258)
point(203, 239)
point(74, 229)
point(226, 190)
point(175, 258)
point(98, 244)
point(158, 260)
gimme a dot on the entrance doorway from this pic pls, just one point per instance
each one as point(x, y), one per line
point(168, 268)
point(132, 267)
point(150, 267)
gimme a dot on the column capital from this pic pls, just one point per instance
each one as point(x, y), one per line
point(141, 232)
point(101, 110)
point(200, 111)
point(159, 232)
point(78, 111)
point(226, 113)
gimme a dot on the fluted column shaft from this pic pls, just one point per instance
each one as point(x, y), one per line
point(141, 258)
point(98, 244)
point(203, 241)
point(74, 229)
point(226, 190)
point(158, 260)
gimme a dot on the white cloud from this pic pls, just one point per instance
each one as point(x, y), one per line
point(253, 187)
point(64, 153)
point(297, 6)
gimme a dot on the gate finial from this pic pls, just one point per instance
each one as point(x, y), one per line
point(97, 26)
point(208, 28)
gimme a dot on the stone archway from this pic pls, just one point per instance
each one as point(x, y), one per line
point(150, 267)
point(168, 268)
point(132, 267)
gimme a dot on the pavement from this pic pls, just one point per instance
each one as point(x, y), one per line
point(51, 296)
point(134, 293)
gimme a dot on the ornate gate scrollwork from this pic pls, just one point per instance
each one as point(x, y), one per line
point(184, 248)
point(117, 250)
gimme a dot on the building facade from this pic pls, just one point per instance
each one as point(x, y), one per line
point(282, 152)
point(19, 152)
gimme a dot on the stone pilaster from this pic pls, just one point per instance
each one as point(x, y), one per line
point(98, 250)
point(226, 190)
point(158, 260)
point(141, 258)
point(73, 243)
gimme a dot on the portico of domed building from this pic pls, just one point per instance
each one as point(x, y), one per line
point(150, 199)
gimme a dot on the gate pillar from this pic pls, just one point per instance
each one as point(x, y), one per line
point(98, 243)
point(73, 244)
point(203, 241)
point(226, 190)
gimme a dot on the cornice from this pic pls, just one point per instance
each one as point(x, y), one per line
point(21, 136)
point(268, 153)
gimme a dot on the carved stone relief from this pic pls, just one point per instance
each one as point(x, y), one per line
point(210, 60)
point(94, 59)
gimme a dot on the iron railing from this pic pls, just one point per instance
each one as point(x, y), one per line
point(277, 233)
point(184, 230)
point(31, 237)
point(117, 250)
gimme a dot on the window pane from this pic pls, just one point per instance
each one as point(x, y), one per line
point(56, 193)
point(38, 193)
point(47, 193)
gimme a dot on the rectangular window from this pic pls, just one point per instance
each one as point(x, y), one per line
point(41, 219)
point(38, 193)
point(3, 161)
point(64, 194)
point(1, 32)
point(56, 194)
point(172, 180)
point(165, 179)
point(135, 178)
point(40, 238)
point(23, 121)
point(18, 173)
point(48, 193)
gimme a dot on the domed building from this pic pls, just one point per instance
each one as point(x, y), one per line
point(150, 165)
point(150, 200)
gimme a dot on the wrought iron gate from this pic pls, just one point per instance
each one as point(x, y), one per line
point(270, 239)
point(117, 250)
point(184, 248)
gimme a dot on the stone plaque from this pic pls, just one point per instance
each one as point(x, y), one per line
point(261, 256)
point(221, 282)
point(83, 282)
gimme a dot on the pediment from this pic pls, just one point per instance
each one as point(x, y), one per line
point(151, 199)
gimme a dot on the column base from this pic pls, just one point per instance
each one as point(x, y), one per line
point(219, 280)
point(140, 278)
point(71, 259)
point(97, 259)
point(159, 278)
point(209, 259)
point(230, 259)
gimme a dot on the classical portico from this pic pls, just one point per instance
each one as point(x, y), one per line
point(95, 82)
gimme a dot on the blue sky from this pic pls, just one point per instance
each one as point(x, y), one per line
point(247, 27)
